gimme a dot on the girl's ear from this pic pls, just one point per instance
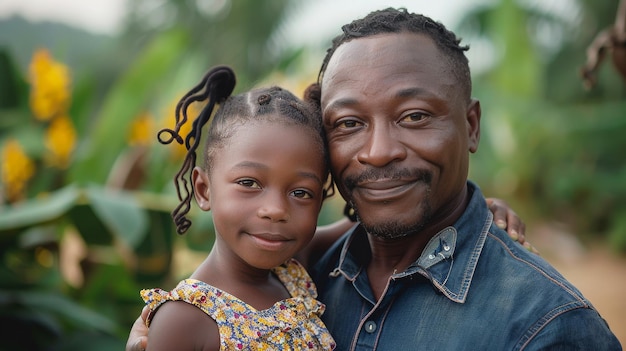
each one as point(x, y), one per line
point(201, 188)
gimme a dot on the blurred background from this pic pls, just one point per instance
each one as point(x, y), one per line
point(86, 191)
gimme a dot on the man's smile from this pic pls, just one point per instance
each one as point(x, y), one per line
point(384, 190)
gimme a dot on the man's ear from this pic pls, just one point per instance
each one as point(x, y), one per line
point(473, 125)
point(201, 188)
point(313, 94)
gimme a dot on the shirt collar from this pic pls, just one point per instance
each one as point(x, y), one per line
point(448, 260)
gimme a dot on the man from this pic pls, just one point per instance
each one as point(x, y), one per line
point(426, 268)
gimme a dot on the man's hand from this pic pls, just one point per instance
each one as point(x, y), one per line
point(138, 337)
point(505, 218)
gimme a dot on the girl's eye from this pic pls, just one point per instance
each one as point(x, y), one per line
point(415, 117)
point(302, 194)
point(249, 183)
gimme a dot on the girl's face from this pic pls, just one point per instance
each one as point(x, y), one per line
point(265, 190)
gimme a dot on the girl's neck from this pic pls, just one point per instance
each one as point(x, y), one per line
point(259, 288)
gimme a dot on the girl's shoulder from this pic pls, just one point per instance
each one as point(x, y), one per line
point(181, 325)
point(203, 296)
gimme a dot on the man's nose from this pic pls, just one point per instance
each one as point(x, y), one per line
point(381, 147)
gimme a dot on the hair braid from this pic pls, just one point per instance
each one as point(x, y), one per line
point(216, 86)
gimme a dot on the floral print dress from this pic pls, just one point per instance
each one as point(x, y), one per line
point(291, 324)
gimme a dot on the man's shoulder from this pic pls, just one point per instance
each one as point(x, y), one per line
point(525, 275)
point(531, 297)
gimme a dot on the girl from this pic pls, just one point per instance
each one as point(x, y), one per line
point(264, 177)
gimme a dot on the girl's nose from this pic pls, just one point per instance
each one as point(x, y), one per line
point(274, 208)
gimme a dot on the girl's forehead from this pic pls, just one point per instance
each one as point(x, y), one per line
point(270, 124)
point(272, 148)
point(274, 134)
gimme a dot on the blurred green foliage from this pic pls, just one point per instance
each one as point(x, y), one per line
point(550, 148)
point(115, 198)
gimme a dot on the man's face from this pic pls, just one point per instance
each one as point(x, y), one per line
point(399, 131)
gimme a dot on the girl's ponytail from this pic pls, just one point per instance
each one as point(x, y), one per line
point(215, 87)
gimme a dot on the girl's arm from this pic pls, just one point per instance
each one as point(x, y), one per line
point(324, 237)
point(178, 325)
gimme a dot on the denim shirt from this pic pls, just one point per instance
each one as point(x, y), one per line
point(473, 288)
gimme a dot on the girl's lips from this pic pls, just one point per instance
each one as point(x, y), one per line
point(271, 242)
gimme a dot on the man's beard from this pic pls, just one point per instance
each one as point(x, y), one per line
point(391, 229)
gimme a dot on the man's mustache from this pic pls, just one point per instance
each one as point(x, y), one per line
point(374, 174)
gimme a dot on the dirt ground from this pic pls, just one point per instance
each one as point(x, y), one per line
point(596, 271)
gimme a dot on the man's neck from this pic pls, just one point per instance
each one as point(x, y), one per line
point(391, 256)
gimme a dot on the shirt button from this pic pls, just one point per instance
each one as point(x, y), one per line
point(370, 326)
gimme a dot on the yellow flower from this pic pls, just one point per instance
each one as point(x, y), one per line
point(50, 86)
point(17, 169)
point(142, 130)
point(60, 140)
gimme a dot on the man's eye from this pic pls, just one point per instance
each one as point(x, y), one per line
point(415, 117)
point(249, 183)
point(348, 124)
point(302, 194)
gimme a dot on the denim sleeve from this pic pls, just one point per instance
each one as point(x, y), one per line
point(579, 329)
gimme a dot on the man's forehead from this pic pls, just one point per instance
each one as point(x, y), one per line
point(397, 58)
point(379, 49)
